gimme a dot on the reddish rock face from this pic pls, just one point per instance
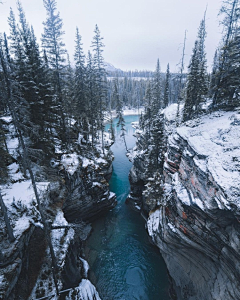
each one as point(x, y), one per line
point(198, 233)
point(196, 225)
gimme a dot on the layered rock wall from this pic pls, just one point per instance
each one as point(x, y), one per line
point(197, 225)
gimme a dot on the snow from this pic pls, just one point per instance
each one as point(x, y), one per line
point(58, 235)
point(23, 192)
point(85, 266)
point(170, 112)
point(12, 144)
point(172, 227)
point(201, 164)
point(217, 137)
point(21, 225)
point(100, 161)
point(98, 184)
point(70, 162)
point(180, 190)
point(198, 202)
point(135, 125)
point(86, 162)
point(85, 291)
point(59, 219)
point(7, 119)
point(20, 201)
point(14, 172)
point(153, 222)
point(1, 279)
point(111, 194)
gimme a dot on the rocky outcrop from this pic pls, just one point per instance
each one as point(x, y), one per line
point(79, 194)
point(88, 189)
point(137, 175)
point(197, 224)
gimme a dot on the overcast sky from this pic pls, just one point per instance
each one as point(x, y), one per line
point(136, 32)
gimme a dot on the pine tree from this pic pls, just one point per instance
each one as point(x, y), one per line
point(52, 42)
point(80, 100)
point(180, 85)
point(192, 85)
point(100, 77)
point(154, 190)
point(119, 112)
point(197, 86)
point(157, 90)
point(5, 157)
point(229, 91)
point(91, 98)
point(148, 113)
point(156, 146)
point(166, 97)
point(230, 10)
point(215, 69)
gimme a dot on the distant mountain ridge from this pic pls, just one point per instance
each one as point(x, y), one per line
point(110, 68)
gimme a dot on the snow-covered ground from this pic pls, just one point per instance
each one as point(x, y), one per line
point(216, 137)
point(21, 204)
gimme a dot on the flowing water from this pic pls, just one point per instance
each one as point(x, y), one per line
point(124, 265)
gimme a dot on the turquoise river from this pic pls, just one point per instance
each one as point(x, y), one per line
point(124, 265)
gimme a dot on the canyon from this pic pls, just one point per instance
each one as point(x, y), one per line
point(196, 222)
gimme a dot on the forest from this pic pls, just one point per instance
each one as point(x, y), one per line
point(51, 106)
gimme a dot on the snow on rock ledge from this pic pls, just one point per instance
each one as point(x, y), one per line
point(197, 226)
point(85, 291)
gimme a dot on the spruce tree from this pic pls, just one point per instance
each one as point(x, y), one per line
point(91, 98)
point(156, 147)
point(157, 90)
point(197, 86)
point(192, 85)
point(100, 77)
point(119, 112)
point(166, 97)
point(154, 190)
point(229, 91)
point(52, 42)
point(215, 69)
point(80, 97)
point(230, 12)
point(148, 111)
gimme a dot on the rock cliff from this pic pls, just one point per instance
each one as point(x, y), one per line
point(197, 224)
point(78, 194)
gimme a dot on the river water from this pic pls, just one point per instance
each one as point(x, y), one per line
point(124, 265)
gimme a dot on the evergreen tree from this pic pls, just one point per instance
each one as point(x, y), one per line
point(156, 147)
point(91, 97)
point(197, 85)
point(229, 91)
point(166, 97)
point(5, 157)
point(192, 85)
point(119, 112)
point(215, 69)
point(81, 111)
point(148, 113)
point(52, 42)
point(157, 90)
point(33, 85)
point(100, 77)
point(180, 85)
point(230, 11)
point(154, 190)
